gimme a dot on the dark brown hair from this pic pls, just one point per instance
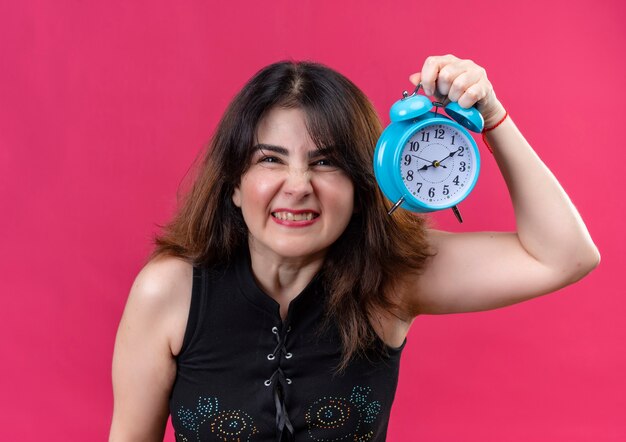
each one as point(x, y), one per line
point(360, 267)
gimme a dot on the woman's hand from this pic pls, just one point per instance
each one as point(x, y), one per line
point(462, 81)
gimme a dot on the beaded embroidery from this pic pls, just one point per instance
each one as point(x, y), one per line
point(340, 419)
point(227, 425)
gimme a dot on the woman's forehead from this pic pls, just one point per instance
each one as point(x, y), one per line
point(286, 127)
point(280, 120)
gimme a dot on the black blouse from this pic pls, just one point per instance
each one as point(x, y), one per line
point(245, 375)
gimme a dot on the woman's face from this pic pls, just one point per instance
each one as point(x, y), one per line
point(295, 202)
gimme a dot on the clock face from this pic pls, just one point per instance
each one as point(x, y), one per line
point(438, 165)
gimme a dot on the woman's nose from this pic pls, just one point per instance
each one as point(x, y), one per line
point(298, 182)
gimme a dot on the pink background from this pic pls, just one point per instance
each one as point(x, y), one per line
point(104, 105)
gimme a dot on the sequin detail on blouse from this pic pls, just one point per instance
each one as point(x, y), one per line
point(341, 419)
point(207, 419)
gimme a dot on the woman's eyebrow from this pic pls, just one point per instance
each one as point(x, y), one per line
point(314, 153)
point(320, 152)
point(272, 148)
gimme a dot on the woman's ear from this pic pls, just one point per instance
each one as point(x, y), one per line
point(237, 197)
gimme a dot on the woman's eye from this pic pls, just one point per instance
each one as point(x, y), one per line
point(323, 162)
point(269, 159)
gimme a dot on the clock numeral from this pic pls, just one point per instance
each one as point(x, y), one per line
point(414, 146)
point(453, 140)
point(439, 134)
point(456, 180)
point(446, 190)
point(407, 160)
point(431, 192)
point(462, 168)
point(419, 187)
point(461, 150)
point(409, 175)
point(425, 136)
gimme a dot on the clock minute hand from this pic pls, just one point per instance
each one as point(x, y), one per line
point(451, 154)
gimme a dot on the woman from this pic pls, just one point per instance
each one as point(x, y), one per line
point(277, 302)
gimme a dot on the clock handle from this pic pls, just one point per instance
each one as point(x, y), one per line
point(455, 209)
point(406, 95)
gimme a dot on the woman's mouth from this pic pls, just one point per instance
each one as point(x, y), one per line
point(295, 216)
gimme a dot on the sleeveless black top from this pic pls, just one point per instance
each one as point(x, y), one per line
point(245, 375)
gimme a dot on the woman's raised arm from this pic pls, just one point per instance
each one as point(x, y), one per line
point(480, 271)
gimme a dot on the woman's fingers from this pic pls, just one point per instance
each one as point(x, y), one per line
point(415, 78)
point(465, 80)
point(472, 95)
point(455, 77)
point(448, 77)
point(430, 72)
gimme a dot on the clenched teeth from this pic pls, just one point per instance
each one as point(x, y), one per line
point(288, 216)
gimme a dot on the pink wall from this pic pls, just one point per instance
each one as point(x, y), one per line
point(104, 105)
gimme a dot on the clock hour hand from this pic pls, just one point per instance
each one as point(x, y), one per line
point(435, 164)
point(430, 163)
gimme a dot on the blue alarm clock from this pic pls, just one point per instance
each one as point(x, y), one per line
point(425, 161)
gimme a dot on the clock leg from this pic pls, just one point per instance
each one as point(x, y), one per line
point(455, 209)
point(396, 205)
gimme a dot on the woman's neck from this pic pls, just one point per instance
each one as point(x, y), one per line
point(283, 278)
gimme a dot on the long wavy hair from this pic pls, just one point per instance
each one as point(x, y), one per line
point(361, 267)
